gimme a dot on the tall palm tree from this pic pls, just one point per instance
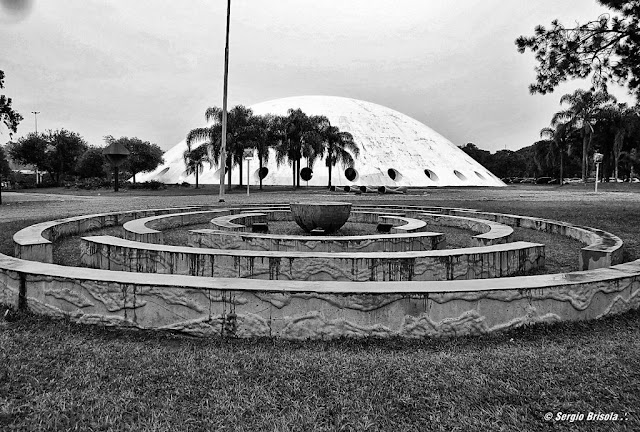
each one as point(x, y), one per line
point(270, 134)
point(242, 130)
point(339, 148)
point(239, 133)
point(559, 140)
point(625, 120)
point(313, 140)
point(195, 159)
point(583, 110)
point(293, 126)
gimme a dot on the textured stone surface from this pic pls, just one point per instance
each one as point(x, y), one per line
point(113, 253)
point(603, 249)
point(238, 222)
point(33, 243)
point(490, 232)
point(414, 312)
point(223, 307)
point(326, 216)
point(269, 242)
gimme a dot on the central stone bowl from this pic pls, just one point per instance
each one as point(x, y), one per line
point(325, 217)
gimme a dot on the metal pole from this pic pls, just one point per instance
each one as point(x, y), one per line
point(35, 114)
point(248, 170)
point(597, 169)
point(224, 107)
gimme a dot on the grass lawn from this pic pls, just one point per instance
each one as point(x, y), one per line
point(55, 375)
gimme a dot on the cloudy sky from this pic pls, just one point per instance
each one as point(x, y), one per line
point(150, 68)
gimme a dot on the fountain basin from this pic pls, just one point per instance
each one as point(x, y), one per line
point(321, 217)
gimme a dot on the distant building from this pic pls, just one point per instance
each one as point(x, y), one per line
point(395, 150)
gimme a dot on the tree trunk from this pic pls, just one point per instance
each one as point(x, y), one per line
point(561, 167)
point(617, 146)
point(293, 171)
point(240, 167)
point(585, 158)
point(298, 172)
point(260, 172)
point(197, 169)
point(329, 173)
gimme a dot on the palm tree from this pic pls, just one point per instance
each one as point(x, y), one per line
point(240, 132)
point(313, 140)
point(292, 134)
point(195, 160)
point(270, 134)
point(584, 109)
point(558, 136)
point(624, 121)
point(209, 137)
point(339, 147)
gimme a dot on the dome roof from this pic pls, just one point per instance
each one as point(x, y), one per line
point(395, 150)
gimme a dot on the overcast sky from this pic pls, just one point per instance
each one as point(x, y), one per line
point(150, 68)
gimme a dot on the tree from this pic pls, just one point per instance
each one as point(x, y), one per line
point(301, 136)
point(339, 148)
point(195, 160)
point(92, 163)
point(30, 150)
point(483, 157)
point(5, 169)
point(625, 120)
point(143, 155)
point(289, 147)
point(241, 134)
point(584, 109)
point(558, 136)
point(507, 163)
point(8, 116)
point(270, 133)
point(607, 48)
point(56, 152)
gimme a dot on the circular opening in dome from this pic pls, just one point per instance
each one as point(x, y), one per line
point(306, 173)
point(480, 176)
point(351, 174)
point(432, 176)
point(261, 173)
point(459, 175)
point(394, 174)
point(164, 171)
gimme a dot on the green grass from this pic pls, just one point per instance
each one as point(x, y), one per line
point(55, 375)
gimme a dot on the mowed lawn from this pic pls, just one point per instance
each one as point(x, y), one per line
point(55, 375)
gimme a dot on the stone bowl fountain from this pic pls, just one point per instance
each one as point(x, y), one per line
point(320, 217)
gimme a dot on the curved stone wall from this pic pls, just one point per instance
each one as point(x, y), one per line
point(318, 309)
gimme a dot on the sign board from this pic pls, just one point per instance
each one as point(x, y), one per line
point(248, 154)
point(597, 157)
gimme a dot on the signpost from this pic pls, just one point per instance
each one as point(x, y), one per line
point(597, 158)
point(248, 155)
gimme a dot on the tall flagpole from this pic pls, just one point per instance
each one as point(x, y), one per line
point(224, 108)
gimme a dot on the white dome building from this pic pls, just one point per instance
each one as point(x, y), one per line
point(395, 150)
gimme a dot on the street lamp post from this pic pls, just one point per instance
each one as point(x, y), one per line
point(224, 107)
point(597, 158)
point(35, 115)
